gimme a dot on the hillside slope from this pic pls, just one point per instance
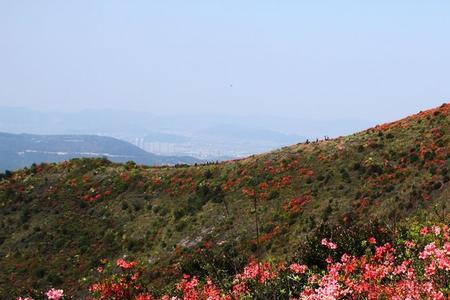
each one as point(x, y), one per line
point(22, 150)
point(60, 220)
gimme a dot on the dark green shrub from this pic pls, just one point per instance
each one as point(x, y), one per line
point(163, 211)
point(208, 174)
point(180, 226)
point(273, 194)
point(25, 216)
point(375, 170)
point(137, 205)
point(429, 155)
point(132, 245)
point(413, 157)
point(437, 185)
point(179, 213)
point(55, 279)
point(348, 239)
point(40, 272)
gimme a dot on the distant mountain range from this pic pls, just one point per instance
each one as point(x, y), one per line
point(21, 150)
point(211, 137)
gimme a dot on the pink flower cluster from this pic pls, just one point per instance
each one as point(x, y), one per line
point(298, 269)
point(384, 274)
point(418, 269)
point(54, 294)
point(328, 244)
point(260, 272)
point(190, 289)
point(437, 257)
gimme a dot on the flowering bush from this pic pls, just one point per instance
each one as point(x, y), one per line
point(416, 266)
point(404, 269)
point(123, 283)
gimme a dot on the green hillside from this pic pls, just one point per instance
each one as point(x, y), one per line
point(58, 221)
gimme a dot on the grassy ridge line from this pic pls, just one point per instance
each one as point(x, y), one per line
point(59, 220)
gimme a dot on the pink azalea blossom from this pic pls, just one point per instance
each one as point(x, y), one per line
point(298, 269)
point(328, 244)
point(54, 294)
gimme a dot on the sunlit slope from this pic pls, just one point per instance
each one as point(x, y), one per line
point(59, 220)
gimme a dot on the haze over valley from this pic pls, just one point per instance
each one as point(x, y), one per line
point(207, 137)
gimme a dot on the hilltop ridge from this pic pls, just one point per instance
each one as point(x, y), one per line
point(60, 220)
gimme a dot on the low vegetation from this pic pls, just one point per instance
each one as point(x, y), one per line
point(225, 223)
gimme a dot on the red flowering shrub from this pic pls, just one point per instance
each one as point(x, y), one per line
point(123, 283)
point(295, 204)
point(403, 269)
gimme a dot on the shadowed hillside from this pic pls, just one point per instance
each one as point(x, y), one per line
point(58, 221)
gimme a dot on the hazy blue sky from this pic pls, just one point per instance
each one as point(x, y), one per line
point(316, 59)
